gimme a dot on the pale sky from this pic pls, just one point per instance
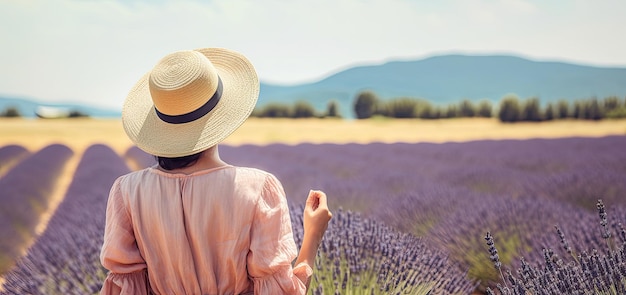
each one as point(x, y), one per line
point(93, 51)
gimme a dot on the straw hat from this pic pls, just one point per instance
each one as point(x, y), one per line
point(190, 101)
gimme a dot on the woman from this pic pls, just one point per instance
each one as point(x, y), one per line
point(194, 224)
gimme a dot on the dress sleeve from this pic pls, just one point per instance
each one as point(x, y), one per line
point(119, 254)
point(272, 247)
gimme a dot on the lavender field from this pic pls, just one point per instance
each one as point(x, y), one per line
point(409, 218)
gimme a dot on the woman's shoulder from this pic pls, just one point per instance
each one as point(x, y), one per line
point(253, 172)
point(133, 176)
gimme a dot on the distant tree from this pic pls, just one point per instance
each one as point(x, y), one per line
point(619, 113)
point(425, 110)
point(438, 113)
point(509, 109)
point(466, 108)
point(548, 114)
point(303, 109)
point(611, 103)
point(365, 104)
point(562, 111)
point(578, 110)
point(11, 112)
point(77, 114)
point(275, 110)
point(531, 111)
point(593, 110)
point(403, 107)
point(485, 109)
point(332, 110)
point(452, 111)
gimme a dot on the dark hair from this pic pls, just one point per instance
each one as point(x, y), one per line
point(178, 162)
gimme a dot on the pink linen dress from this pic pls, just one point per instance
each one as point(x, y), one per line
point(225, 230)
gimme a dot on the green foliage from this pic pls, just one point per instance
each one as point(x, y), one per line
point(274, 110)
point(549, 113)
point(481, 268)
point(10, 112)
point(427, 111)
point(531, 110)
point(577, 112)
point(332, 110)
point(365, 105)
point(77, 114)
point(485, 109)
point(562, 111)
point(509, 109)
point(329, 273)
point(303, 109)
point(452, 112)
point(593, 111)
point(401, 108)
point(466, 108)
point(618, 113)
point(611, 103)
point(588, 109)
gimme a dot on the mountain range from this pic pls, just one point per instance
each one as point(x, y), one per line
point(447, 79)
point(442, 80)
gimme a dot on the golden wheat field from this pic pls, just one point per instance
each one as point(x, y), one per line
point(80, 133)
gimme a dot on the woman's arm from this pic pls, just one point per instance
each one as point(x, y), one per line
point(315, 221)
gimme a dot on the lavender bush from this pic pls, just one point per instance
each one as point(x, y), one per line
point(362, 256)
point(586, 272)
point(65, 258)
point(138, 159)
point(11, 155)
point(448, 195)
point(25, 195)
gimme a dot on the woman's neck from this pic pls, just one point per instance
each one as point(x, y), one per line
point(209, 159)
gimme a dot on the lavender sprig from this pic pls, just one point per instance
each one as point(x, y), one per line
point(493, 255)
point(606, 234)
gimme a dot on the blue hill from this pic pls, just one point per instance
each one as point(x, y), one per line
point(448, 79)
point(27, 108)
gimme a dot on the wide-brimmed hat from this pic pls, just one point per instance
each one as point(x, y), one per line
point(190, 101)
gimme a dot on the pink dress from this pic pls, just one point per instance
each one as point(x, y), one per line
point(225, 230)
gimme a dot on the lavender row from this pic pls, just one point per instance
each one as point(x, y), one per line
point(575, 170)
point(139, 159)
point(25, 195)
point(586, 272)
point(362, 256)
point(451, 193)
point(396, 261)
point(65, 258)
point(10, 155)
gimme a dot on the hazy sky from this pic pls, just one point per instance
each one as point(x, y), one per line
point(95, 50)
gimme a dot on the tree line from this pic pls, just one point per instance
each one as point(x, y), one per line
point(510, 109)
point(300, 109)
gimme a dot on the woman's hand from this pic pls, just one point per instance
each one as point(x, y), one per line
point(315, 221)
point(316, 215)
